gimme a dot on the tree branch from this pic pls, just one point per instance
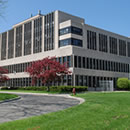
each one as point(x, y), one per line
point(2, 7)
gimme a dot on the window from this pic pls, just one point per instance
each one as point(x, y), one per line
point(122, 47)
point(76, 80)
point(27, 38)
point(79, 61)
point(76, 30)
point(100, 64)
point(76, 42)
point(64, 42)
point(49, 32)
point(64, 60)
point(69, 78)
point(70, 29)
point(103, 43)
point(60, 60)
point(3, 46)
point(81, 80)
point(11, 44)
point(70, 41)
point(116, 67)
point(113, 45)
point(109, 66)
point(75, 61)
point(65, 31)
point(37, 45)
point(97, 64)
point(69, 61)
point(128, 48)
point(83, 62)
point(18, 46)
point(94, 64)
point(91, 40)
point(88, 66)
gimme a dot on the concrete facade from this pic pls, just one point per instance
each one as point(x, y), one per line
point(94, 54)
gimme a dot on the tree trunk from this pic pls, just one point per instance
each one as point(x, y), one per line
point(48, 87)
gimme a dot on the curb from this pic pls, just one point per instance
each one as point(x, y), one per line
point(9, 100)
point(81, 100)
point(78, 98)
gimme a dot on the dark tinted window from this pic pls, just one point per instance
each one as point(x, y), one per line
point(91, 40)
point(76, 30)
point(122, 47)
point(103, 43)
point(113, 45)
point(70, 41)
point(71, 29)
point(128, 48)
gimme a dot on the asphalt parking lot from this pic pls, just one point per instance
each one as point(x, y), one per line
point(32, 105)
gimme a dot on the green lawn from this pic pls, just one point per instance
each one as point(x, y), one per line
point(4, 96)
point(101, 111)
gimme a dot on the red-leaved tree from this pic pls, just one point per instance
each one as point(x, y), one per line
point(3, 77)
point(48, 70)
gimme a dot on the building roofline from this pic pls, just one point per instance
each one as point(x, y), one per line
point(107, 31)
point(71, 15)
point(40, 15)
point(27, 20)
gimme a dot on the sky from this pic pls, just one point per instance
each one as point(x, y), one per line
point(111, 15)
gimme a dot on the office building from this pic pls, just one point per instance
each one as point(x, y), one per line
point(93, 54)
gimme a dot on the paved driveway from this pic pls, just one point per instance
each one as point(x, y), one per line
point(32, 105)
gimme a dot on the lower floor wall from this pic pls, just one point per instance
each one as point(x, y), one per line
point(75, 80)
point(93, 82)
point(27, 81)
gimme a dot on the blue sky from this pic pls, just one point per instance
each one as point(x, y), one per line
point(111, 15)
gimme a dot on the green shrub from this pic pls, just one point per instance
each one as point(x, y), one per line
point(56, 88)
point(9, 88)
point(35, 88)
point(4, 88)
point(123, 83)
point(68, 88)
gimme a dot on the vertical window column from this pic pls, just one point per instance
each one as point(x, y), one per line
point(49, 32)
point(11, 44)
point(37, 41)
point(103, 46)
point(91, 40)
point(128, 49)
point(122, 47)
point(27, 38)
point(113, 45)
point(3, 46)
point(18, 46)
point(7, 45)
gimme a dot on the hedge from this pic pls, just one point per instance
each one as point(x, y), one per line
point(9, 88)
point(68, 88)
point(52, 88)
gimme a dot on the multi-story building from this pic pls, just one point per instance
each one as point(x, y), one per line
point(93, 54)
